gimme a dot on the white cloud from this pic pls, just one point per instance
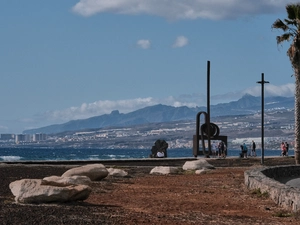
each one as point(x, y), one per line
point(180, 42)
point(178, 9)
point(3, 127)
point(285, 90)
point(97, 108)
point(144, 44)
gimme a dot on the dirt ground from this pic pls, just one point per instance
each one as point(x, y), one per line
point(217, 197)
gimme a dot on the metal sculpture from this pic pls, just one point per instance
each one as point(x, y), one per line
point(159, 146)
point(207, 131)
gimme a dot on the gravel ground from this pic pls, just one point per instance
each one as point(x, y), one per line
point(217, 197)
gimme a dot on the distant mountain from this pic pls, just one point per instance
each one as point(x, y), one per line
point(248, 104)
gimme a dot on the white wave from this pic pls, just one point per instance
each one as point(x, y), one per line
point(93, 157)
point(110, 156)
point(10, 158)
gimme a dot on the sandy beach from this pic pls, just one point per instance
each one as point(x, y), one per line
point(217, 197)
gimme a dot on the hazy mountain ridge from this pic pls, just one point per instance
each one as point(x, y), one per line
point(161, 113)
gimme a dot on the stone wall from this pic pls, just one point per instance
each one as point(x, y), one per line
point(267, 180)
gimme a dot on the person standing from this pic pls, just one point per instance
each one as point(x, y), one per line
point(245, 150)
point(214, 149)
point(253, 149)
point(287, 148)
point(221, 148)
point(283, 149)
point(242, 151)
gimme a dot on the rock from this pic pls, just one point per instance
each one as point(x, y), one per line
point(32, 191)
point(197, 164)
point(117, 172)
point(164, 170)
point(94, 172)
point(202, 171)
point(66, 181)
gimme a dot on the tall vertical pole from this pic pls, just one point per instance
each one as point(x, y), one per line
point(208, 88)
point(262, 82)
point(208, 107)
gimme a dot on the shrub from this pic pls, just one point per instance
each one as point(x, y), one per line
point(258, 193)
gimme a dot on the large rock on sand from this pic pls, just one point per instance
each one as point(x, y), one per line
point(66, 181)
point(32, 191)
point(117, 172)
point(93, 171)
point(164, 170)
point(197, 165)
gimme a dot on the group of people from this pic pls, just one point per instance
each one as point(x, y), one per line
point(219, 149)
point(244, 150)
point(284, 148)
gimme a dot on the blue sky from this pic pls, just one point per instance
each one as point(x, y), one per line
point(66, 60)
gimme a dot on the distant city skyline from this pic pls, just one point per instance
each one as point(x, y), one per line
point(66, 60)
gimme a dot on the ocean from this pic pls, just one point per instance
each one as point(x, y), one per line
point(65, 154)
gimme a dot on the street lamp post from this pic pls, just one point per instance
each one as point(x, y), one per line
point(262, 82)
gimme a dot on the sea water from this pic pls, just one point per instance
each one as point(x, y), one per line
point(63, 154)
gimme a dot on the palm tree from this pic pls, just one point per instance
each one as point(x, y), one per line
point(291, 32)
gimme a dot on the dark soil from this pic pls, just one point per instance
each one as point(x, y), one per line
point(217, 197)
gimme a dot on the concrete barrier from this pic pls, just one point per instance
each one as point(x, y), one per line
point(268, 179)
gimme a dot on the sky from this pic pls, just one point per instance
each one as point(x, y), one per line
point(69, 60)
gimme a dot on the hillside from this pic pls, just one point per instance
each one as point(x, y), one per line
point(161, 114)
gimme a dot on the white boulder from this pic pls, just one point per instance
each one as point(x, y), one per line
point(93, 171)
point(197, 164)
point(202, 171)
point(32, 191)
point(117, 172)
point(164, 170)
point(66, 181)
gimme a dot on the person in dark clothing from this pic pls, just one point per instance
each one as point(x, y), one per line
point(221, 148)
point(287, 148)
point(253, 149)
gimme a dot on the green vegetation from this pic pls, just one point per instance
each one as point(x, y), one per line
point(260, 194)
point(283, 214)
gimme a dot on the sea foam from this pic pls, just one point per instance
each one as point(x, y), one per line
point(10, 158)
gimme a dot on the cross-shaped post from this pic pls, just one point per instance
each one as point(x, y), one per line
point(262, 82)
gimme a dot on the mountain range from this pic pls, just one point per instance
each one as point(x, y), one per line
point(246, 105)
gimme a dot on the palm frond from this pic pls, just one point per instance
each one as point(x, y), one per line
point(290, 11)
point(284, 37)
point(290, 22)
point(293, 11)
point(279, 24)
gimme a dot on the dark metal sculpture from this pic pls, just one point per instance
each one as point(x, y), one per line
point(207, 131)
point(159, 146)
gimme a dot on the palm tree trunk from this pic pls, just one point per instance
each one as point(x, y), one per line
point(297, 116)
